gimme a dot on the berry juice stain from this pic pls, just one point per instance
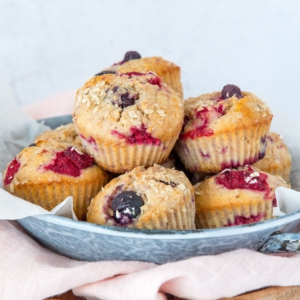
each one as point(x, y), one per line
point(12, 169)
point(70, 162)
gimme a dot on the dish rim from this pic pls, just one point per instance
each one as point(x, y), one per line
point(169, 234)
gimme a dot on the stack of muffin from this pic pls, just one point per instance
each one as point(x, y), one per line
point(127, 120)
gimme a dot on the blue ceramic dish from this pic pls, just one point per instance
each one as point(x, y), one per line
point(91, 242)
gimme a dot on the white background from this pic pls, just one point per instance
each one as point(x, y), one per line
point(47, 47)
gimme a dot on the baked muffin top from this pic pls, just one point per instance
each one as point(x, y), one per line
point(155, 64)
point(223, 111)
point(64, 133)
point(47, 160)
point(133, 61)
point(277, 154)
point(128, 108)
point(156, 190)
point(242, 185)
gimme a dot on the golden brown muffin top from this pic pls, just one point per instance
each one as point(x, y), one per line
point(110, 107)
point(236, 186)
point(64, 133)
point(277, 153)
point(161, 190)
point(155, 64)
point(210, 113)
point(47, 160)
point(132, 61)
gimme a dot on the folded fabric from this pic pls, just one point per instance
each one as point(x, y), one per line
point(30, 271)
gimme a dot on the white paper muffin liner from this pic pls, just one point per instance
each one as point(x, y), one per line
point(173, 220)
point(121, 158)
point(221, 217)
point(48, 195)
point(172, 79)
point(211, 154)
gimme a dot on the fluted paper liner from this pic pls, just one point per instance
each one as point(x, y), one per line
point(221, 217)
point(173, 220)
point(49, 195)
point(121, 158)
point(211, 154)
point(172, 79)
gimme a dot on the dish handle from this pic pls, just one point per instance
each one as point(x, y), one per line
point(280, 242)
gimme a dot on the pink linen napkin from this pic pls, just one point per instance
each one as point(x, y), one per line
point(57, 105)
point(30, 271)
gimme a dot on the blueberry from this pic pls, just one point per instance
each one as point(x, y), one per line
point(123, 98)
point(127, 100)
point(130, 55)
point(126, 205)
point(231, 90)
point(105, 72)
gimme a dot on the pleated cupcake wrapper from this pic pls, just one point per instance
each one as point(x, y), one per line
point(119, 159)
point(221, 217)
point(182, 219)
point(48, 195)
point(172, 79)
point(214, 153)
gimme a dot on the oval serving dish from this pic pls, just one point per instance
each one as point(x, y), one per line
point(90, 242)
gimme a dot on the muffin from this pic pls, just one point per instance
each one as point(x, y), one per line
point(64, 133)
point(153, 198)
point(49, 171)
point(133, 62)
point(124, 121)
point(236, 197)
point(278, 160)
point(225, 129)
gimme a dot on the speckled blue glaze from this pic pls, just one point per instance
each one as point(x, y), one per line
point(91, 242)
point(279, 243)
